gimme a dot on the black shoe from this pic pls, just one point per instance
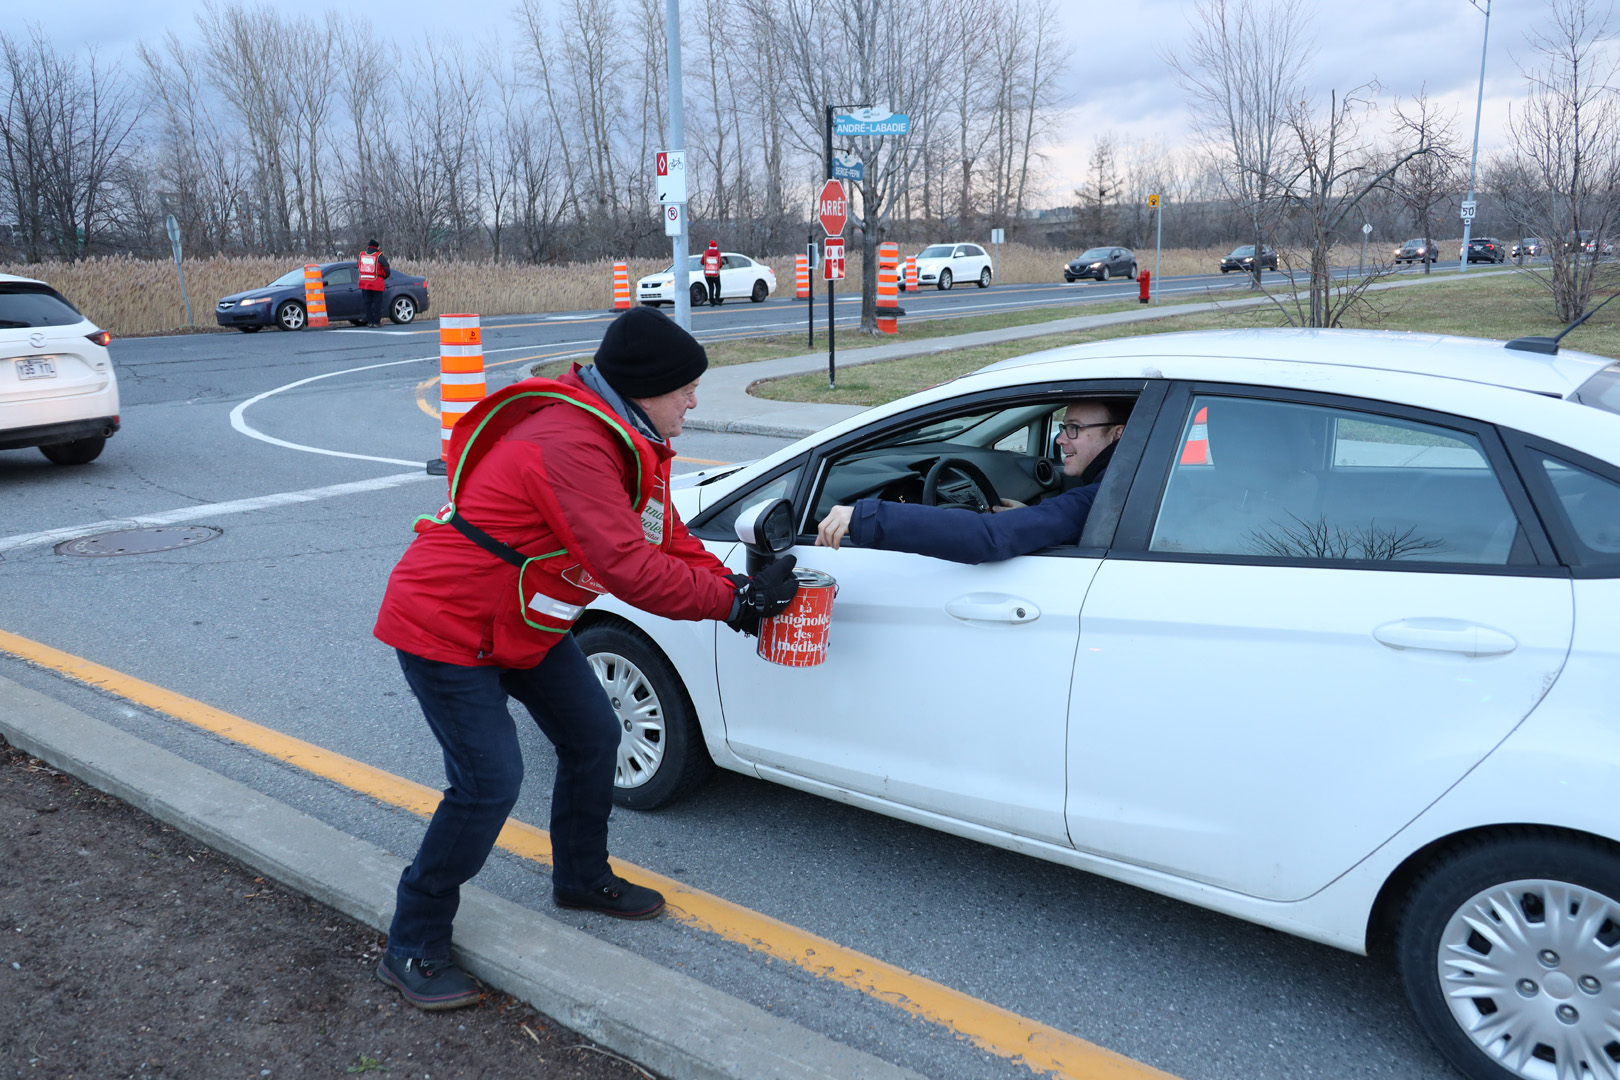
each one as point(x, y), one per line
point(618, 898)
point(428, 984)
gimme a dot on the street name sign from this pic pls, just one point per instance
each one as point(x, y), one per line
point(871, 122)
point(848, 169)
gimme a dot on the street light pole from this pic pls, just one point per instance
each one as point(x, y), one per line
point(1473, 162)
point(677, 141)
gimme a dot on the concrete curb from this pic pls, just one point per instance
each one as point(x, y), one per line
point(671, 1023)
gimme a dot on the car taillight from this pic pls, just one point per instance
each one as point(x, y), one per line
point(100, 337)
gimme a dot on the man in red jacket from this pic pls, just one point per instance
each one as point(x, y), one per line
point(373, 270)
point(559, 492)
point(711, 271)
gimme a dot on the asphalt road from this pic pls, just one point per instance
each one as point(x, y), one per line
point(271, 621)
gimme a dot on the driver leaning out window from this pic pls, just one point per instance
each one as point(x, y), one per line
point(1086, 439)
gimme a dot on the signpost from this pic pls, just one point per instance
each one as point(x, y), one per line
point(1366, 231)
point(811, 251)
point(832, 209)
point(996, 237)
point(174, 244)
point(672, 167)
point(1158, 242)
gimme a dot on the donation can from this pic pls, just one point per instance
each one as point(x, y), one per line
point(798, 636)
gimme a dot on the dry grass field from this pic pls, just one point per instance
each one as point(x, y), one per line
point(131, 296)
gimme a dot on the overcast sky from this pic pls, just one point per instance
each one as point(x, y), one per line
point(1118, 80)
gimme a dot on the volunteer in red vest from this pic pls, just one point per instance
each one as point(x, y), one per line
point(559, 492)
point(711, 272)
point(373, 267)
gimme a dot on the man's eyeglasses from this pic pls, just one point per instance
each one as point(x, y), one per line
point(1073, 430)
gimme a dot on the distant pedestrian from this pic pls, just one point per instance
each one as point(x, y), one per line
point(373, 265)
point(711, 272)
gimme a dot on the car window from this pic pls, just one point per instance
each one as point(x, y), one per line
point(26, 304)
point(1275, 479)
point(975, 249)
point(935, 251)
point(342, 275)
point(290, 278)
point(1591, 507)
point(1602, 391)
point(962, 250)
point(723, 524)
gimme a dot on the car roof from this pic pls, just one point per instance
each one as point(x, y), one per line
point(1446, 356)
point(25, 280)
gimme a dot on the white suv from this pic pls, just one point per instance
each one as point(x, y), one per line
point(57, 387)
point(943, 265)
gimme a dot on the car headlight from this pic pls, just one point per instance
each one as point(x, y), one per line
point(252, 300)
point(1096, 266)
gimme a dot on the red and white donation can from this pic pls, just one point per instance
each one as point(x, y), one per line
point(798, 636)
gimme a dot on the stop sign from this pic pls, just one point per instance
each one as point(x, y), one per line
point(832, 208)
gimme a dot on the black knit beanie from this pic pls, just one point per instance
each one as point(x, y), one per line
point(645, 353)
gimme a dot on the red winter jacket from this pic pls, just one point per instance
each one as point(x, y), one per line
point(450, 600)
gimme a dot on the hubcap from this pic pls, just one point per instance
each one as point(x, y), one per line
point(1512, 958)
point(641, 718)
point(403, 310)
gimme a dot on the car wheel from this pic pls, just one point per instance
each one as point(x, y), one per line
point(700, 295)
point(1132, 272)
point(1505, 951)
point(984, 278)
point(1102, 275)
point(945, 281)
point(402, 310)
point(77, 452)
point(290, 316)
point(250, 329)
point(661, 751)
point(761, 291)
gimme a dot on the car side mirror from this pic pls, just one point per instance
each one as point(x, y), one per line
point(767, 530)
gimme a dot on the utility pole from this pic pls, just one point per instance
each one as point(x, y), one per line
point(677, 142)
point(1479, 105)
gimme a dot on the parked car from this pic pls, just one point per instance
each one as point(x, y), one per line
point(740, 277)
point(1242, 258)
point(943, 265)
point(1417, 251)
point(1101, 263)
point(1485, 249)
point(281, 303)
point(58, 389)
point(1335, 654)
point(1529, 247)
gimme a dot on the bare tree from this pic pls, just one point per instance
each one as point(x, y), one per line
point(1566, 136)
point(1101, 193)
point(1242, 68)
point(1431, 178)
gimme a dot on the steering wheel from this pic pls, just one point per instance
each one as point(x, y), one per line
point(975, 475)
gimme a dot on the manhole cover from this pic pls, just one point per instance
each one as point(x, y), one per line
point(138, 541)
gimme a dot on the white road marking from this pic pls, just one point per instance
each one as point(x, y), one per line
point(214, 510)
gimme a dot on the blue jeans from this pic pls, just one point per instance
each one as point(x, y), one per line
point(466, 708)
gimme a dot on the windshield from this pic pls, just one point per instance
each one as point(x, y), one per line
point(1602, 391)
point(1414, 243)
point(1243, 252)
point(1098, 253)
point(25, 304)
point(291, 277)
point(936, 251)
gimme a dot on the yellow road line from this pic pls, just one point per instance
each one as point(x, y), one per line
point(999, 1031)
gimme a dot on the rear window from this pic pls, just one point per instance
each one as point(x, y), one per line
point(23, 304)
point(1602, 391)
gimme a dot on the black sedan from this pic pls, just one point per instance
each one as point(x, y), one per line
point(1242, 258)
point(1418, 250)
point(281, 303)
point(1486, 249)
point(1101, 263)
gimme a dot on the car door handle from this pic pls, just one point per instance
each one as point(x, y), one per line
point(992, 607)
point(1445, 635)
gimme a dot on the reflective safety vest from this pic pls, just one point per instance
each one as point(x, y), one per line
point(711, 262)
point(371, 277)
point(553, 588)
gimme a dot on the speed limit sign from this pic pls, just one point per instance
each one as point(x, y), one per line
point(1468, 210)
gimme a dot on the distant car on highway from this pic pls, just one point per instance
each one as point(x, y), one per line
point(1529, 246)
point(943, 265)
point(741, 278)
point(1586, 242)
point(1484, 249)
point(1101, 263)
point(1419, 250)
point(1242, 258)
point(281, 303)
point(58, 390)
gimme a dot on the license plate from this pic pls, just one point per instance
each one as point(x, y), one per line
point(36, 368)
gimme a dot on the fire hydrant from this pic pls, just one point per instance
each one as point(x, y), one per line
point(1144, 280)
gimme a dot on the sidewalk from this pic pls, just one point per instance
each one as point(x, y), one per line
point(724, 403)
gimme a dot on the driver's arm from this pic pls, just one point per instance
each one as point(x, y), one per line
point(957, 535)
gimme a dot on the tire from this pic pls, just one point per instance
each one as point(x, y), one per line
point(1102, 275)
point(1543, 979)
point(402, 311)
point(669, 758)
point(761, 291)
point(1132, 273)
point(984, 278)
point(291, 316)
point(700, 295)
point(250, 329)
point(77, 452)
point(945, 281)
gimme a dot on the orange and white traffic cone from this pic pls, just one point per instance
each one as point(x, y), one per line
point(801, 277)
point(911, 273)
point(461, 374)
point(621, 286)
point(1196, 452)
point(888, 289)
point(314, 295)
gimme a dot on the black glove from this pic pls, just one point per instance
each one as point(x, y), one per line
point(767, 593)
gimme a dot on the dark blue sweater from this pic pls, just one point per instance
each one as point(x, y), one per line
point(963, 536)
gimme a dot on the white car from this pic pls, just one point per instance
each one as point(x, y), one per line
point(740, 278)
point(1337, 653)
point(943, 265)
point(58, 390)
